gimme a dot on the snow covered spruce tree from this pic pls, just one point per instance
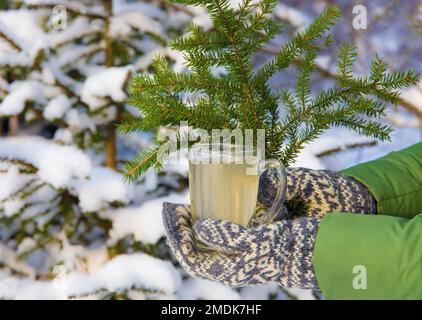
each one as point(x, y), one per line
point(72, 66)
point(64, 67)
point(232, 94)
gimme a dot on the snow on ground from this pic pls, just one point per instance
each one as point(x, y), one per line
point(262, 292)
point(122, 272)
point(196, 288)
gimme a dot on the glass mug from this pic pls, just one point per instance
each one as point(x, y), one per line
point(224, 181)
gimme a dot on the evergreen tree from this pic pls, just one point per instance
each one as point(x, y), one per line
point(67, 75)
point(239, 96)
point(71, 69)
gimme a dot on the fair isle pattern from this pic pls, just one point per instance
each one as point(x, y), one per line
point(323, 191)
point(261, 209)
point(278, 252)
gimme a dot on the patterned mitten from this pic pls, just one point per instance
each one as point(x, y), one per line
point(318, 192)
point(278, 252)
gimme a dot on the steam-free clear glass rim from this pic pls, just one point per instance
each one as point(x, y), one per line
point(203, 149)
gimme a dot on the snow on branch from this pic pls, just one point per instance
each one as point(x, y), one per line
point(53, 75)
point(121, 273)
point(143, 222)
point(108, 83)
point(14, 41)
point(57, 165)
point(294, 17)
point(121, 25)
point(412, 98)
point(57, 107)
point(75, 7)
point(26, 55)
point(20, 93)
point(9, 258)
point(147, 8)
point(64, 167)
point(346, 146)
point(79, 28)
point(94, 198)
point(76, 53)
point(144, 62)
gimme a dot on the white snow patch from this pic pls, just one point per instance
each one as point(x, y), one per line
point(63, 135)
point(103, 84)
point(144, 222)
point(413, 96)
point(57, 107)
point(12, 206)
point(10, 182)
point(20, 93)
point(9, 258)
point(123, 272)
point(122, 24)
point(302, 294)
point(196, 288)
point(262, 292)
point(79, 120)
point(103, 186)
point(328, 141)
point(204, 21)
point(56, 164)
point(25, 25)
point(293, 16)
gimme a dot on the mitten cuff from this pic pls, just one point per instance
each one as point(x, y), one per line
point(298, 271)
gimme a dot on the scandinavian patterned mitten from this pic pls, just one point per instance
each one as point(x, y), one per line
point(318, 192)
point(278, 252)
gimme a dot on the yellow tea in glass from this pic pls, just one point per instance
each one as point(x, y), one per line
point(224, 181)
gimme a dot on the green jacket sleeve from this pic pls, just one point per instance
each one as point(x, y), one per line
point(395, 180)
point(369, 257)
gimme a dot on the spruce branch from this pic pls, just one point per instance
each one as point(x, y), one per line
point(154, 157)
point(240, 97)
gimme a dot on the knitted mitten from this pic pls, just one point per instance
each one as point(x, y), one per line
point(278, 252)
point(320, 192)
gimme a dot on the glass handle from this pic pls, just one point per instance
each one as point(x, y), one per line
point(271, 213)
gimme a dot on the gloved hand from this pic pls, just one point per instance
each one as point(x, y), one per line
point(279, 252)
point(320, 192)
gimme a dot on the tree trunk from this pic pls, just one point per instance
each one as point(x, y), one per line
point(110, 144)
point(13, 126)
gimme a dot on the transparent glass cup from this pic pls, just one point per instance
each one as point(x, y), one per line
point(224, 183)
